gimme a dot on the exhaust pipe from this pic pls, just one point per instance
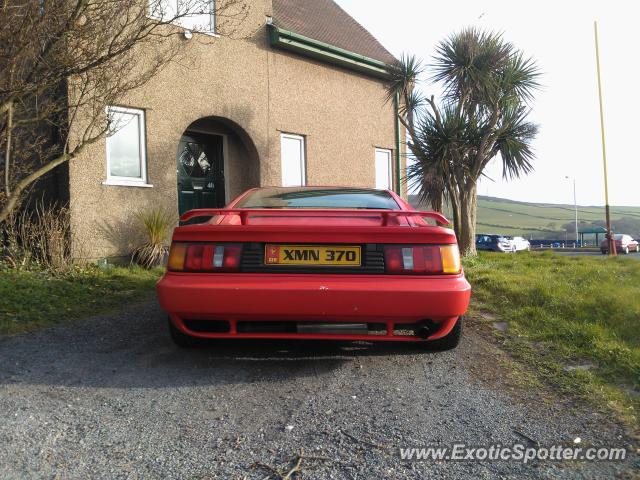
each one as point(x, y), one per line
point(425, 329)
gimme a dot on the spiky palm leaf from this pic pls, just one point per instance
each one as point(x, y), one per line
point(403, 75)
point(439, 146)
point(479, 68)
point(488, 85)
point(513, 142)
point(157, 225)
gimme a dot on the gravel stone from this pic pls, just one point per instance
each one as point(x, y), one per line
point(111, 397)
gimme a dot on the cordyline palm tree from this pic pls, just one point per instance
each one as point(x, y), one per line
point(488, 85)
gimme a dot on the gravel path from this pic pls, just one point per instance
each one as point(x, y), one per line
point(111, 397)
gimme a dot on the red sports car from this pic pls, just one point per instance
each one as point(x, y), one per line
point(315, 263)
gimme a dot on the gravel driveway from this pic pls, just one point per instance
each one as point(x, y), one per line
point(111, 397)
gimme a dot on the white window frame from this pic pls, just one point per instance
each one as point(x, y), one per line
point(141, 181)
point(303, 156)
point(211, 31)
point(389, 153)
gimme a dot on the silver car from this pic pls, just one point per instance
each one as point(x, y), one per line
point(520, 243)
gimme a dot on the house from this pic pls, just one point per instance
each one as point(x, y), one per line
point(301, 100)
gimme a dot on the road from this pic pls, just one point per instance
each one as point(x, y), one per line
point(111, 397)
point(631, 256)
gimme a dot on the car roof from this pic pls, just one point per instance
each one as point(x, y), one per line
point(319, 189)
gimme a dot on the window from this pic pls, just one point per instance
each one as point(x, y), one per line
point(196, 15)
point(126, 152)
point(293, 160)
point(383, 169)
point(318, 197)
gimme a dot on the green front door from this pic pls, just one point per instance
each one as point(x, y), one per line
point(200, 167)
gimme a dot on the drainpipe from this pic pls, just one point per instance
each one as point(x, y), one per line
point(398, 130)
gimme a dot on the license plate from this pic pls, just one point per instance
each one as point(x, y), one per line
point(322, 255)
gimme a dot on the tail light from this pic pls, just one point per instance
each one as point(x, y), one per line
point(204, 257)
point(422, 259)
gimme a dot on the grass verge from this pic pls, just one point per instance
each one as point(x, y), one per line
point(31, 299)
point(574, 320)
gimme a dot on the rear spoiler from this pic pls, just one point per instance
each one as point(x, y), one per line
point(319, 212)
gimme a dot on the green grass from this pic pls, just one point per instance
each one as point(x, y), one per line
point(31, 299)
point(568, 311)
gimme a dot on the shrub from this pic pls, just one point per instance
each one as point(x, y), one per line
point(39, 238)
point(157, 225)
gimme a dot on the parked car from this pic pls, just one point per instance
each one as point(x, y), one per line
point(520, 243)
point(315, 263)
point(624, 244)
point(494, 243)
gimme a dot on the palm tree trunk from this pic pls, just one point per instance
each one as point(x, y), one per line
point(468, 207)
point(455, 211)
point(436, 203)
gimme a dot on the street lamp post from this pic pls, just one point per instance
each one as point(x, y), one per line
point(575, 207)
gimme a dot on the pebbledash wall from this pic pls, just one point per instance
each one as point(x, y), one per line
point(252, 93)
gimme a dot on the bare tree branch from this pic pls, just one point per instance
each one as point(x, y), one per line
point(63, 62)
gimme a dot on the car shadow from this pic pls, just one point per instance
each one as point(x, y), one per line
point(133, 349)
point(271, 349)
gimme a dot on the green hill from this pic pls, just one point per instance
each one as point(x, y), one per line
point(547, 220)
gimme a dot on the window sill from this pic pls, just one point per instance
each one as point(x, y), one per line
point(124, 183)
point(212, 33)
point(208, 34)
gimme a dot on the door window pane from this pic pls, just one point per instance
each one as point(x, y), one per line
point(293, 161)
point(383, 169)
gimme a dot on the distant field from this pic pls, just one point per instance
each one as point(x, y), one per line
point(506, 216)
point(540, 220)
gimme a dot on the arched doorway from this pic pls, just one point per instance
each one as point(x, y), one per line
point(215, 161)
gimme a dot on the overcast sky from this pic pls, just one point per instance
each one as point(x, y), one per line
point(559, 35)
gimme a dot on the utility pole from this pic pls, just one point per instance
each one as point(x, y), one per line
point(575, 207)
point(610, 239)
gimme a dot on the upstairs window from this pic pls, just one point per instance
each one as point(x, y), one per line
point(196, 15)
point(383, 169)
point(292, 153)
point(126, 152)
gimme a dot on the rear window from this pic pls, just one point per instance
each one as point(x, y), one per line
point(319, 198)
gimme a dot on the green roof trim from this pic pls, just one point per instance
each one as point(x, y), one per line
point(325, 52)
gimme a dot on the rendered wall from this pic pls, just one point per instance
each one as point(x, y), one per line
point(255, 93)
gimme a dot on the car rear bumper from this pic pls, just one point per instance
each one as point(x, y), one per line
point(246, 299)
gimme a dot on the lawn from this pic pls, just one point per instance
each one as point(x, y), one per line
point(31, 299)
point(575, 320)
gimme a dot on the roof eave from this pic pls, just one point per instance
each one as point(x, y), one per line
point(309, 47)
